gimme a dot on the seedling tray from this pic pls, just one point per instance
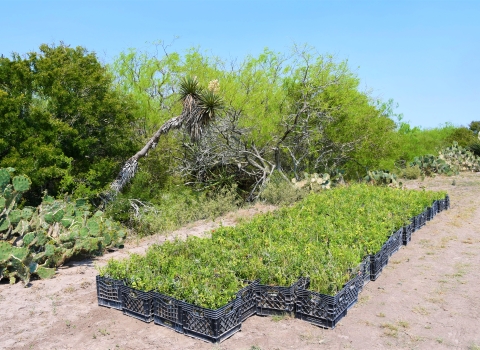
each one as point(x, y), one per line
point(108, 292)
point(212, 325)
point(325, 310)
point(276, 300)
point(137, 304)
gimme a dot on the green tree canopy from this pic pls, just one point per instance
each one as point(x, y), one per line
point(62, 122)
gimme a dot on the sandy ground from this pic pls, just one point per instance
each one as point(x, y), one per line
point(426, 298)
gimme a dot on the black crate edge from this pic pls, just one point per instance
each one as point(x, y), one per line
point(167, 311)
point(248, 300)
point(380, 259)
point(213, 326)
point(108, 292)
point(137, 303)
point(407, 233)
point(326, 310)
point(278, 300)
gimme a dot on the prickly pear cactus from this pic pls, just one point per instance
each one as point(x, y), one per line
point(460, 158)
point(34, 241)
point(450, 161)
point(314, 182)
point(382, 177)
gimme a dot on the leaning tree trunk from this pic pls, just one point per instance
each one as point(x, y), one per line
point(194, 120)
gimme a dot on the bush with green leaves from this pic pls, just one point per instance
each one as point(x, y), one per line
point(62, 121)
point(324, 236)
point(36, 240)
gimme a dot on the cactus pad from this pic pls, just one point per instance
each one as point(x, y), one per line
point(4, 178)
point(14, 216)
point(45, 272)
point(28, 238)
point(5, 251)
point(4, 224)
point(21, 183)
point(58, 215)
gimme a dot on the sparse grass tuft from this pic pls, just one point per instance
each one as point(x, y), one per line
point(389, 329)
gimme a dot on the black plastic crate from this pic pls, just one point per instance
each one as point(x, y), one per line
point(447, 202)
point(394, 242)
point(377, 262)
point(420, 220)
point(326, 310)
point(435, 207)
point(108, 292)
point(136, 303)
point(167, 311)
point(441, 205)
point(212, 325)
point(248, 300)
point(380, 259)
point(276, 300)
point(366, 271)
point(407, 233)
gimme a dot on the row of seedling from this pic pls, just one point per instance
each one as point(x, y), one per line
point(268, 251)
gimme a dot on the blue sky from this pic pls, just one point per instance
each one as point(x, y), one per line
point(424, 54)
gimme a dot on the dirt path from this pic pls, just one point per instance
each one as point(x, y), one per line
point(426, 298)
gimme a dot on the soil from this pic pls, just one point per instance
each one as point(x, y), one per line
point(426, 298)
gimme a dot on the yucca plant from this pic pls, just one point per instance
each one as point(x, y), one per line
point(200, 106)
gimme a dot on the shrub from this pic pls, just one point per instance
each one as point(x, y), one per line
point(412, 172)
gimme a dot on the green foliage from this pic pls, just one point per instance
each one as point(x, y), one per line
point(276, 97)
point(61, 121)
point(174, 207)
point(413, 142)
point(36, 240)
point(475, 149)
point(474, 126)
point(412, 172)
point(279, 191)
point(324, 236)
point(463, 136)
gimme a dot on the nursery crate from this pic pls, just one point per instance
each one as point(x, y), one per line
point(435, 207)
point(430, 213)
point(420, 220)
point(136, 303)
point(366, 268)
point(212, 325)
point(447, 202)
point(407, 233)
point(276, 300)
point(379, 260)
point(108, 292)
point(441, 205)
point(394, 242)
point(167, 311)
point(248, 300)
point(325, 310)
